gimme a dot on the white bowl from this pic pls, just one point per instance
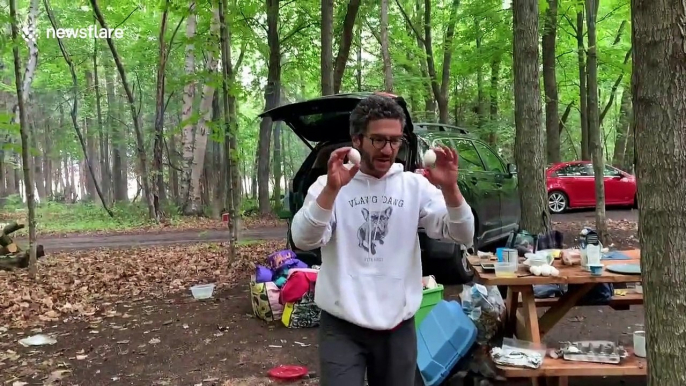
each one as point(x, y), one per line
point(202, 291)
point(533, 260)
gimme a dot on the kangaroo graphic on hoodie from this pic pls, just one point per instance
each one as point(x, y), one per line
point(374, 228)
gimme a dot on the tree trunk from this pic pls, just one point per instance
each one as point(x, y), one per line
point(439, 87)
point(358, 69)
point(188, 139)
point(344, 46)
point(583, 93)
point(550, 84)
point(47, 160)
point(595, 136)
point(440, 90)
point(276, 165)
point(385, 51)
point(105, 179)
point(203, 128)
point(659, 92)
point(495, 80)
point(172, 156)
point(623, 129)
point(90, 134)
point(480, 94)
point(618, 81)
point(530, 137)
point(119, 175)
point(36, 162)
point(630, 155)
point(25, 142)
point(157, 181)
point(271, 98)
point(229, 127)
point(327, 47)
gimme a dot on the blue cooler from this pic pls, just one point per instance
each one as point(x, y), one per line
point(444, 337)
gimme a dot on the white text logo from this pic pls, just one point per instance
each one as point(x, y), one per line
point(92, 32)
point(82, 33)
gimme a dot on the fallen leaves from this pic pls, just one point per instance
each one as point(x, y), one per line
point(86, 285)
point(265, 221)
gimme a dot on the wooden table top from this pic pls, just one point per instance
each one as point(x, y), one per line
point(631, 366)
point(568, 274)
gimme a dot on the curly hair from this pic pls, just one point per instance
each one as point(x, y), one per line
point(372, 108)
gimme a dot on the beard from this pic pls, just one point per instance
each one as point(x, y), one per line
point(368, 161)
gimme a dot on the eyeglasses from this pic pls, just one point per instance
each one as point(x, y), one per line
point(380, 143)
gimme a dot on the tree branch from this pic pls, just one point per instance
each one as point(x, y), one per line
point(126, 18)
point(295, 30)
point(239, 61)
point(409, 22)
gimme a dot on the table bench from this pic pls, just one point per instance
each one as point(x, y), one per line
point(617, 302)
point(561, 369)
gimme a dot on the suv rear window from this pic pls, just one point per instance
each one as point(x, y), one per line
point(314, 119)
point(320, 118)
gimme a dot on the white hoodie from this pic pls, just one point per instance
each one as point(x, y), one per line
point(371, 272)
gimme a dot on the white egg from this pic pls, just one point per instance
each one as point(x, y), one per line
point(545, 270)
point(429, 158)
point(555, 272)
point(354, 156)
point(535, 270)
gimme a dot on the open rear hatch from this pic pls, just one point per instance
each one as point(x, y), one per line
point(326, 119)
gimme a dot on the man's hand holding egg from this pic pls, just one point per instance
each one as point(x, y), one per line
point(339, 174)
point(441, 166)
point(429, 158)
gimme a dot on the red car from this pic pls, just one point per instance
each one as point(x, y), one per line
point(572, 185)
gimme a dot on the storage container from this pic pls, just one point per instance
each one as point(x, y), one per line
point(430, 297)
point(504, 269)
point(445, 336)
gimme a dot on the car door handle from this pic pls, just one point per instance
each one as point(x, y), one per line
point(474, 180)
point(498, 184)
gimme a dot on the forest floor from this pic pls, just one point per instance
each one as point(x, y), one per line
point(124, 316)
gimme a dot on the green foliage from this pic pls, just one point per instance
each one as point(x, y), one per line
point(483, 36)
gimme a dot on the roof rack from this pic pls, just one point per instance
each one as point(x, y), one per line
point(441, 127)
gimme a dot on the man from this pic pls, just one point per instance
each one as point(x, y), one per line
point(365, 220)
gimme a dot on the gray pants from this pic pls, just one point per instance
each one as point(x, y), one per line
point(346, 351)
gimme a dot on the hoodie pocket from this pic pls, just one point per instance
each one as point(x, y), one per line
point(378, 298)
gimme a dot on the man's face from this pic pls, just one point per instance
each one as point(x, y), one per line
point(379, 146)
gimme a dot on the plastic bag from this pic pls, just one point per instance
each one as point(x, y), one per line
point(485, 306)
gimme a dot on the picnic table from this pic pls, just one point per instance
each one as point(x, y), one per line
point(522, 319)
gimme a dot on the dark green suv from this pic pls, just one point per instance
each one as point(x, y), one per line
point(488, 184)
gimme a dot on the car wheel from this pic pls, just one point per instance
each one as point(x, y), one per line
point(557, 202)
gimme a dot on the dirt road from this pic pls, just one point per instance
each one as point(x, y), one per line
point(79, 242)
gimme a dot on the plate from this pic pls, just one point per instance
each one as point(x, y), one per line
point(288, 373)
point(625, 269)
point(488, 266)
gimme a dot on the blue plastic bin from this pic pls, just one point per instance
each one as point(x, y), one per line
point(443, 338)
